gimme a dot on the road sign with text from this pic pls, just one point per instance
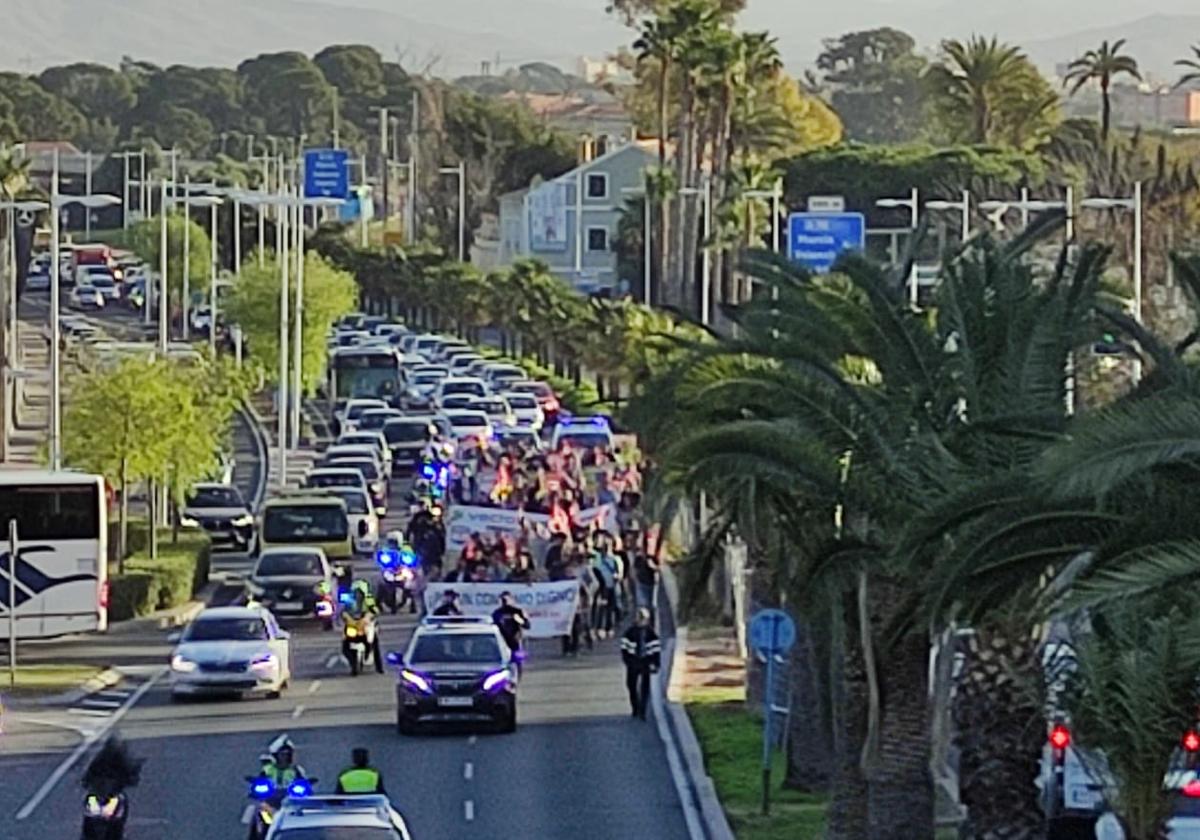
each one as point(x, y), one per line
point(326, 173)
point(816, 240)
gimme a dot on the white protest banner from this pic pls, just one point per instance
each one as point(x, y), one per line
point(550, 606)
point(464, 520)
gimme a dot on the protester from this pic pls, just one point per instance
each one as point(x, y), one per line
point(645, 580)
point(641, 653)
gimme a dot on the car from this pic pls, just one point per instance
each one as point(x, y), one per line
point(449, 347)
point(420, 344)
point(105, 284)
point(497, 409)
point(221, 511)
point(469, 426)
point(335, 477)
point(336, 816)
point(457, 401)
point(456, 671)
point(364, 518)
point(288, 580)
point(86, 297)
point(499, 376)
point(407, 438)
point(522, 436)
point(232, 649)
point(351, 321)
point(583, 433)
point(421, 385)
point(85, 274)
point(38, 279)
point(375, 419)
point(360, 450)
point(390, 328)
point(371, 438)
point(459, 362)
point(348, 415)
point(469, 385)
point(369, 468)
point(525, 410)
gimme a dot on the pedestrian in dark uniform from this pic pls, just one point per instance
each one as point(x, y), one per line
point(642, 654)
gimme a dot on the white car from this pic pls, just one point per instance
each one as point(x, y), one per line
point(583, 433)
point(467, 425)
point(354, 409)
point(497, 409)
point(369, 451)
point(338, 816)
point(499, 376)
point(363, 519)
point(468, 385)
point(526, 410)
point(373, 439)
point(86, 297)
point(105, 284)
point(84, 274)
point(232, 649)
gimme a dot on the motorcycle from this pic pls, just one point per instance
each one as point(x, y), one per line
point(325, 610)
point(398, 577)
point(269, 797)
point(359, 641)
point(104, 816)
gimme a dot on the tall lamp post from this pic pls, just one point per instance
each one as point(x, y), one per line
point(189, 201)
point(1133, 205)
point(57, 203)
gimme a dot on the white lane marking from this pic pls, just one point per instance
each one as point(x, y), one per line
point(79, 710)
point(469, 810)
point(472, 740)
point(468, 771)
point(101, 704)
point(296, 712)
point(61, 770)
point(332, 661)
point(248, 814)
point(316, 684)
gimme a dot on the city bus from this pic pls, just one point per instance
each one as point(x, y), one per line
point(61, 583)
point(359, 372)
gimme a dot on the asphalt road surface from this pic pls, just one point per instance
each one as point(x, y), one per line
point(578, 767)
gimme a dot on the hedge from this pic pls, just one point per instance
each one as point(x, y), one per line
point(146, 586)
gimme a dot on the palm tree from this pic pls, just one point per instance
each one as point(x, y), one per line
point(1192, 66)
point(974, 77)
point(1102, 65)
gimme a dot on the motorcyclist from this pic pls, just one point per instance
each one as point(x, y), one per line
point(109, 774)
point(279, 764)
point(512, 621)
point(363, 608)
point(360, 777)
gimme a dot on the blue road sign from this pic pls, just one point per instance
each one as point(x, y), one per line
point(816, 240)
point(772, 632)
point(326, 173)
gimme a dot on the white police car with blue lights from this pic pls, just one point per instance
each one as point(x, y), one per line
point(338, 818)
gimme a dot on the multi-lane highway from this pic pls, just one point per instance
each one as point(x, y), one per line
point(578, 767)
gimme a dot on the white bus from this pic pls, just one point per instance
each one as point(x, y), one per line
point(62, 552)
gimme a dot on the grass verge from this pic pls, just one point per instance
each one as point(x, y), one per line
point(47, 679)
point(146, 585)
point(730, 737)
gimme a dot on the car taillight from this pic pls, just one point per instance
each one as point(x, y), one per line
point(1060, 737)
point(104, 595)
point(1191, 789)
point(1191, 741)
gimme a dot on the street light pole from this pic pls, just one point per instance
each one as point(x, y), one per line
point(187, 254)
point(163, 297)
point(281, 231)
point(298, 330)
point(55, 360)
point(212, 278)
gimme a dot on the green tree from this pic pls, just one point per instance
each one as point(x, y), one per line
point(985, 91)
point(1102, 65)
point(875, 85)
point(356, 70)
point(99, 92)
point(145, 238)
point(289, 92)
point(254, 305)
point(37, 113)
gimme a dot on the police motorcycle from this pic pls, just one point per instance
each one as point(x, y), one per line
point(267, 794)
point(398, 573)
point(360, 634)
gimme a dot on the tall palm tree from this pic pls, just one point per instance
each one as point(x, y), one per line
point(975, 77)
point(1102, 66)
point(1192, 68)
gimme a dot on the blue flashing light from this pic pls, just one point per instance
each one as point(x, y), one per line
point(346, 597)
point(408, 558)
point(262, 788)
point(428, 472)
point(388, 557)
point(299, 789)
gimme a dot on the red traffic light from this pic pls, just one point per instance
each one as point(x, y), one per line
point(1191, 741)
point(1060, 737)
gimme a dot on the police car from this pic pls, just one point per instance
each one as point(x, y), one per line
point(349, 817)
point(583, 432)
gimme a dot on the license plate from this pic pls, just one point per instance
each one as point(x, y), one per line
point(289, 605)
point(456, 701)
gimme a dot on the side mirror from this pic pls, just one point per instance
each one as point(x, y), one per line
point(392, 658)
point(174, 637)
point(363, 529)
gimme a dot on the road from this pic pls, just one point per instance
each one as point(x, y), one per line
point(578, 766)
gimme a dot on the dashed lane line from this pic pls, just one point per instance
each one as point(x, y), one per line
point(468, 771)
point(469, 810)
point(296, 712)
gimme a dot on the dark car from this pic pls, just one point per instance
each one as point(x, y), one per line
point(456, 671)
point(289, 580)
point(406, 437)
point(223, 514)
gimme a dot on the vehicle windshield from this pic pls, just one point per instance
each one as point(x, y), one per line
point(523, 401)
point(356, 502)
point(276, 565)
point(357, 410)
point(493, 407)
point(375, 419)
point(226, 630)
point(458, 401)
point(216, 497)
point(456, 647)
point(463, 421)
point(342, 478)
point(368, 469)
point(305, 523)
point(406, 431)
point(586, 440)
point(475, 388)
point(338, 832)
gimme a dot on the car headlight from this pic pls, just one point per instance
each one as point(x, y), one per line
point(266, 662)
point(182, 665)
point(415, 682)
point(244, 520)
point(186, 521)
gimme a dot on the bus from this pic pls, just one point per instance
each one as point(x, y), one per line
point(61, 582)
point(307, 517)
point(359, 372)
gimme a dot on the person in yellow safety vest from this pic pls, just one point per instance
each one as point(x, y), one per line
point(360, 777)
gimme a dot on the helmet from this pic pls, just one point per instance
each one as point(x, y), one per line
point(281, 743)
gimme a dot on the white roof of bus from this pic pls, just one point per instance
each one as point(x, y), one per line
point(19, 476)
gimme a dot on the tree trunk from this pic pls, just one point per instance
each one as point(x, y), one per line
point(1105, 112)
point(847, 815)
point(900, 781)
point(809, 741)
point(1000, 735)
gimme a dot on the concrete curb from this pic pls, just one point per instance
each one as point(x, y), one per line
point(169, 618)
point(702, 809)
point(103, 680)
point(262, 442)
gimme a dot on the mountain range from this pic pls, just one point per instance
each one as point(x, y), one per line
point(455, 37)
